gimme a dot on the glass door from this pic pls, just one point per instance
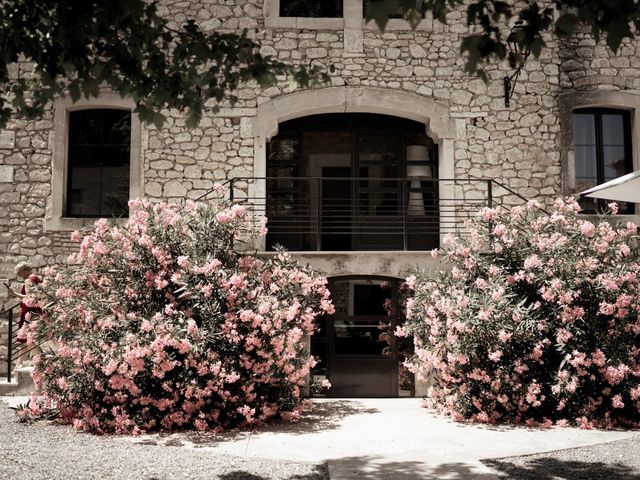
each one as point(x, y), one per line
point(362, 355)
point(378, 213)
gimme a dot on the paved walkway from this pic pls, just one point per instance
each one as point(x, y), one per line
point(385, 439)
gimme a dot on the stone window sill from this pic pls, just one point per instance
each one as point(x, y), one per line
point(62, 224)
point(394, 24)
point(305, 23)
point(398, 24)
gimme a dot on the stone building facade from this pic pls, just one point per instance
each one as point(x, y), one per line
point(416, 75)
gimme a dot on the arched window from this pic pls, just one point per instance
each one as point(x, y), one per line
point(602, 145)
point(353, 181)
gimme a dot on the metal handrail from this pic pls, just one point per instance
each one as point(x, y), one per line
point(372, 209)
point(10, 338)
point(210, 191)
point(15, 349)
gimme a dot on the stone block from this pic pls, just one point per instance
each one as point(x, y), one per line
point(161, 165)
point(286, 44)
point(193, 171)
point(153, 189)
point(174, 188)
point(40, 175)
point(6, 174)
point(316, 53)
point(202, 153)
point(7, 139)
point(15, 159)
point(353, 40)
point(40, 159)
point(417, 51)
point(9, 198)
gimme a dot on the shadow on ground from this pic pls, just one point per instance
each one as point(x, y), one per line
point(319, 473)
point(546, 468)
point(324, 416)
point(371, 468)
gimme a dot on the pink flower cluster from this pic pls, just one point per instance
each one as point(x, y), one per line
point(537, 321)
point(163, 324)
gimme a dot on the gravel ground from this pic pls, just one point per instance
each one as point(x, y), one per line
point(45, 451)
point(42, 450)
point(607, 461)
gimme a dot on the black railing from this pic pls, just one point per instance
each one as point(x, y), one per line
point(364, 213)
point(15, 348)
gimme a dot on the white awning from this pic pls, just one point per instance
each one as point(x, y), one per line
point(621, 189)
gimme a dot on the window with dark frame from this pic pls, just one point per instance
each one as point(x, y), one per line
point(98, 163)
point(311, 8)
point(602, 146)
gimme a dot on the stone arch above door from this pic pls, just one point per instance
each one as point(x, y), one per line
point(434, 115)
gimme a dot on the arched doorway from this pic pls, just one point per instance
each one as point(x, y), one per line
point(352, 182)
point(356, 348)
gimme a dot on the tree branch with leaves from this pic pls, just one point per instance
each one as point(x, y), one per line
point(79, 46)
point(489, 21)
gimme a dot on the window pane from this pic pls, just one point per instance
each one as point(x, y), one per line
point(98, 163)
point(586, 174)
point(584, 129)
point(614, 162)
point(612, 129)
point(370, 300)
point(311, 8)
point(359, 337)
point(586, 167)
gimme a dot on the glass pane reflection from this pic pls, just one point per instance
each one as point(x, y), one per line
point(584, 129)
point(359, 337)
point(612, 129)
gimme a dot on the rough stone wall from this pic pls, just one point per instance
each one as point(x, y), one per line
point(587, 65)
point(518, 146)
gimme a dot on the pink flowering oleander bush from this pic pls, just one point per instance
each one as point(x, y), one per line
point(162, 324)
point(536, 321)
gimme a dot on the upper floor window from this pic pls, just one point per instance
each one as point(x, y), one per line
point(98, 163)
point(311, 8)
point(602, 145)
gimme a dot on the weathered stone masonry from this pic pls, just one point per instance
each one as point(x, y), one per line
point(526, 146)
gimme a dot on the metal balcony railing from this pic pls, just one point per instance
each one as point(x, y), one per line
point(364, 213)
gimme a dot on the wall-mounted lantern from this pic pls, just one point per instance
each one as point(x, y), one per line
point(517, 58)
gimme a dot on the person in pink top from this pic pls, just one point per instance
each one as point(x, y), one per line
point(24, 270)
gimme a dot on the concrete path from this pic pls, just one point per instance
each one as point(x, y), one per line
point(394, 439)
point(390, 439)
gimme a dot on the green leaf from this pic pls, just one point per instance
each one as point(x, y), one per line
point(566, 24)
point(74, 91)
point(616, 32)
point(380, 11)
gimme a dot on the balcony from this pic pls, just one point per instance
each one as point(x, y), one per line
point(363, 213)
